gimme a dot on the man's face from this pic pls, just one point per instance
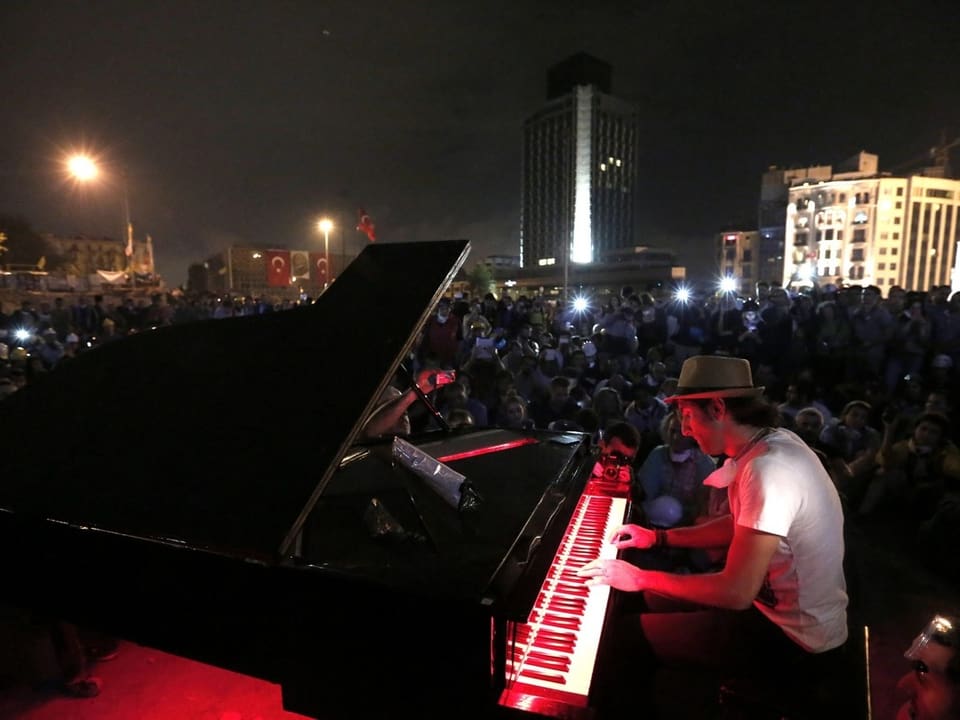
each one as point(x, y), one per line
point(931, 695)
point(696, 422)
point(808, 426)
point(870, 299)
point(856, 417)
point(927, 435)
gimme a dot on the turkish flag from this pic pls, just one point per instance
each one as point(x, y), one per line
point(278, 268)
point(365, 225)
point(318, 269)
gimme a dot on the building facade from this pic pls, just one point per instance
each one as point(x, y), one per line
point(867, 228)
point(775, 186)
point(579, 169)
point(738, 256)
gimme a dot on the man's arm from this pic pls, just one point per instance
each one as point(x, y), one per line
point(713, 534)
point(734, 587)
point(386, 418)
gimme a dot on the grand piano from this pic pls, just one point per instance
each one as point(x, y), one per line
point(203, 489)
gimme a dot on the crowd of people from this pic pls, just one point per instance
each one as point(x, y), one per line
point(865, 385)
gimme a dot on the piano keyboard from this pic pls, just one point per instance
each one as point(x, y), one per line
point(553, 654)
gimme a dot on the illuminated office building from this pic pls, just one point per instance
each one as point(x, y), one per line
point(867, 228)
point(579, 168)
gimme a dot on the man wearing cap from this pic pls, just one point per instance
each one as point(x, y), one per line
point(780, 600)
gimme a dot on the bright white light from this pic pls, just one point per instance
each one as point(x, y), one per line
point(325, 225)
point(728, 284)
point(682, 294)
point(21, 334)
point(805, 272)
point(580, 304)
point(82, 167)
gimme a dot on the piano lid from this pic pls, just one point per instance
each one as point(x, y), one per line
point(220, 435)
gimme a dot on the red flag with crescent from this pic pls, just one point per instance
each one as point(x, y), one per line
point(278, 268)
point(318, 269)
point(366, 225)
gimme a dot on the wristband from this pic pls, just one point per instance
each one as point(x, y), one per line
point(661, 538)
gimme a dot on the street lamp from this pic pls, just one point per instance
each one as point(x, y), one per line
point(84, 168)
point(325, 225)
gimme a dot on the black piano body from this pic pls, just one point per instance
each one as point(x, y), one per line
point(200, 489)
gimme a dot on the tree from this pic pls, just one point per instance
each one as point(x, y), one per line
point(23, 246)
point(480, 279)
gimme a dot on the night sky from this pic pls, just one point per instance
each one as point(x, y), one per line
point(243, 122)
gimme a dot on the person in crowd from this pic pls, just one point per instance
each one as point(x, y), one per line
point(51, 350)
point(440, 337)
point(909, 345)
point(607, 404)
point(872, 327)
point(646, 412)
point(674, 471)
point(513, 413)
point(915, 473)
point(932, 685)
point(557, 406)
point(618, 445)
point(779, 602)
point(856, 442)
point(390, 416)
point(799, 395)
point(831, 343)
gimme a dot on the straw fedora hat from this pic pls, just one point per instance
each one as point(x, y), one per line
point(708, 376)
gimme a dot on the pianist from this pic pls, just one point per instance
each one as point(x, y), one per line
point(780, 601)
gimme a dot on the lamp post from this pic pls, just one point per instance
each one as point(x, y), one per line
point(84, 169)
point(325, 225)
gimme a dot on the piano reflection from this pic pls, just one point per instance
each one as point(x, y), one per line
point(201, 489)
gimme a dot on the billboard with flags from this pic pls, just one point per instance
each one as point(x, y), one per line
point(318, 269)
point(278, 268)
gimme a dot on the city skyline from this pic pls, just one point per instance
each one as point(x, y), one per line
point(245, 124)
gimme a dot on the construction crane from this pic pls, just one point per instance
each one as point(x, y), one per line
point(939, 154)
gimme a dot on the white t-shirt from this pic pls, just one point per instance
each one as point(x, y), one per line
point(780, 487)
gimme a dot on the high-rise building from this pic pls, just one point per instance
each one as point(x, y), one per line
point(579, 168)
point(870, 228)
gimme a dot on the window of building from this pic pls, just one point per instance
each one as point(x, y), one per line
point(899, 192)
point(728, 270)
point(800, 239)
point(857, 255)
point(826, 254)
point(879, 281)
point(731, 254)
point(883, 251)
point(883, 236)
point(747, 255)
point(893, 266)
point(839, 234)
point(896, 220)
point(896, 236)
point(859, 235)
point(747, 272)
point(899, 205)
point(937, 193)
point(860, 218)
point(842, 197)
point(828, 234)
point(881, 266)
point(894, 251)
